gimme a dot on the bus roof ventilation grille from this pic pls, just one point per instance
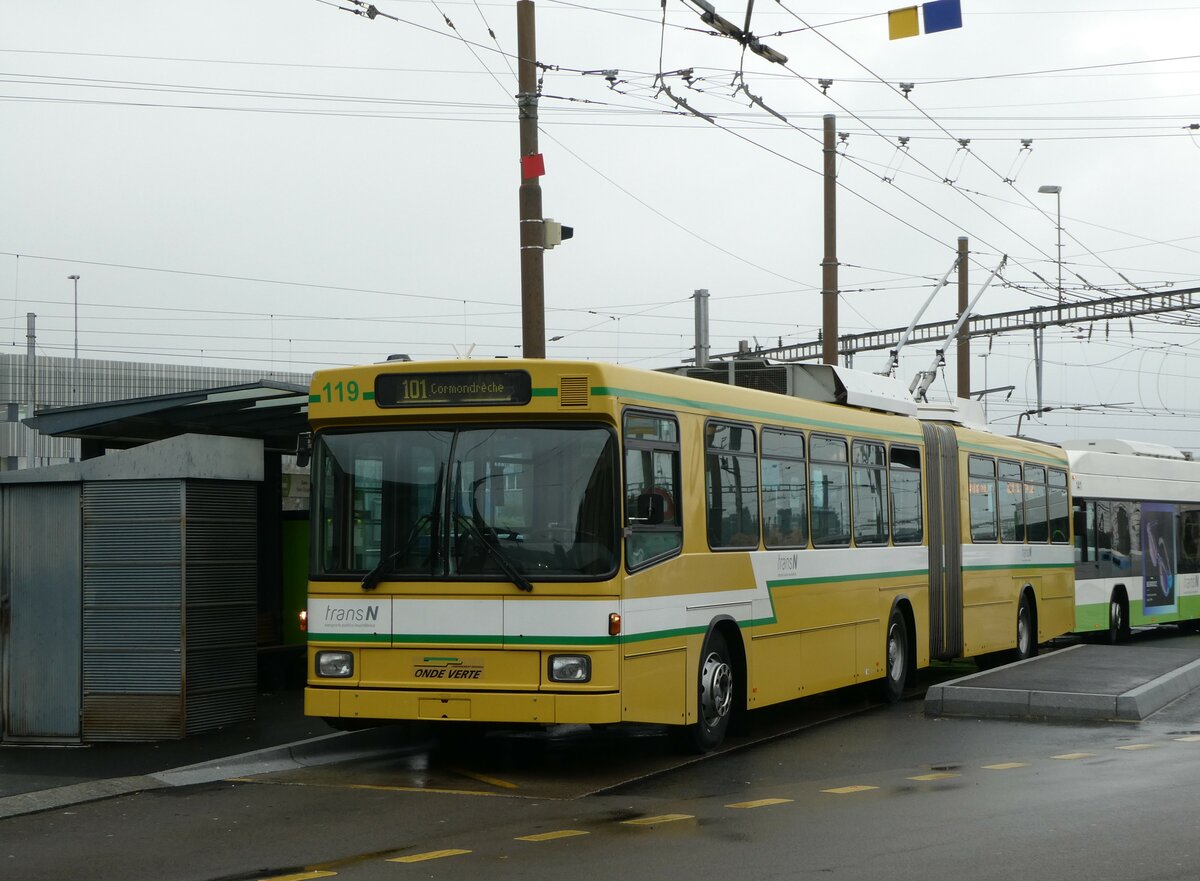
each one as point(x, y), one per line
point(746, 374)
point(765, 379)
point(816, 382)
point(573, 391)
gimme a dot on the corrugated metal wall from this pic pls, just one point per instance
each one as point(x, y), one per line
point(221, 542)
point(132, 610)
point(40, 587)
point(169, 595)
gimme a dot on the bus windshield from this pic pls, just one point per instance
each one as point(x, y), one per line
point(512, 503)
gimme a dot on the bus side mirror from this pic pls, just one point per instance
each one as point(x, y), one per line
point(650, 509)
point(303, 448)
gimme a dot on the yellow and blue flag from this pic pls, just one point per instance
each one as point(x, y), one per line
point(939, 15)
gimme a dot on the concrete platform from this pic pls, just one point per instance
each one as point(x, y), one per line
point(1081, 683)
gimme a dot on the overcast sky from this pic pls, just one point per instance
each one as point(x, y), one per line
point(283, 185)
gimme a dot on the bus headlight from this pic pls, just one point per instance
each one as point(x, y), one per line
point(338, 665)
point(570, 668)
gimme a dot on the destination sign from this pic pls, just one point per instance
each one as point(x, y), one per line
point(470, 388)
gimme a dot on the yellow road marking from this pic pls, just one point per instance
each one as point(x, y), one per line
point(940, 775)
point(371, 786)
point(1191, 738)
point(1006, 766)
point(650, 821)
point(484, 778)
point(301, 876)
point(551, 836)
point(760, 803)
point(431, 855)
point(846, 790)
point(1074, 756)
point(1133, 746)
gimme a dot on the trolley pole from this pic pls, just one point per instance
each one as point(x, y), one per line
point(964, 341)
point(533, 296)
point(829, 265)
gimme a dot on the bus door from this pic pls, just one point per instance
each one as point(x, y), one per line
point(1087, 545)
point(945, 544)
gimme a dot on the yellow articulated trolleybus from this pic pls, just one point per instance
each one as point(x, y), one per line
point(529, 541)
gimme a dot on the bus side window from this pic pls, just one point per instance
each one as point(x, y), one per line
point(731, 486)
point(784, 489)
point(1012, 508)
point(1036, 504)
point(1189, 541)
point(1125, 538)
point(829, 491)
point(868, 484)
point(1056, 495)
point(654, 530)
point(981, 490)
point(904, 465)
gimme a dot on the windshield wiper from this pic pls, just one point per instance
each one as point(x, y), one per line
point(506, 565)
point(371, 579)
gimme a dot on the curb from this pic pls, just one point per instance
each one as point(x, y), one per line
point(322, 750)
point(961, 698)
point(958, 698)
point(1157, 693)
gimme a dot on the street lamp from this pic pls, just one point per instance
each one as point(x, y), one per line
point(75, 278)
point(75, 367)
point(1057, 191)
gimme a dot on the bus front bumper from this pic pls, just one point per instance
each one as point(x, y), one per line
point(463, 706)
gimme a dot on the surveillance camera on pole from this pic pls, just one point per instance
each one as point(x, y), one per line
point(554, 233)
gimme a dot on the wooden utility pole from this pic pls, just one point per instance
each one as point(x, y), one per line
point(829, 265)
point(964, 341)
point(533, 297)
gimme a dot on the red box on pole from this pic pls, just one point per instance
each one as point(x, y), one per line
point(532, 166)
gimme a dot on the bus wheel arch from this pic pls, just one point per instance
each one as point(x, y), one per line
point(900, 650)
point(1027, 625)
point(1118, 615)
point(721, 687)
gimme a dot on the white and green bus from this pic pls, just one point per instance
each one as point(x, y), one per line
point(1137, 536)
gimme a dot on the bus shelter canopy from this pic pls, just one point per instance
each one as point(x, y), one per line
point(271, 411)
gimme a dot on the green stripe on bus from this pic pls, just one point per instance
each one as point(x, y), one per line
point(752, 413)
point(368, 396)
point(544, 392)
point(1024, 567)
point(841, 579)
point(494, 639)
point(314, 399)
point(349, 637)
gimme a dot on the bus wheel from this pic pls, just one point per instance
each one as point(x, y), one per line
point(897, 658)
point(1118, 621)
point(715, 704)
point(1026, 635)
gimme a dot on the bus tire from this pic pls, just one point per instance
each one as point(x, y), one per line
point(1027, 646)
point(1118, 618)
point(715, 703)
point(896, 657)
